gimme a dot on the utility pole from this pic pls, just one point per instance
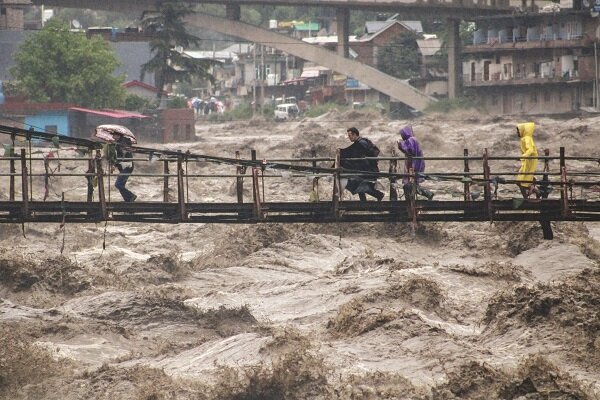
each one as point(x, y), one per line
point(262, 78)
point(254, 82)
point(596, 77)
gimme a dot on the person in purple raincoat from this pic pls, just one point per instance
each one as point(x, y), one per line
point(410, 147)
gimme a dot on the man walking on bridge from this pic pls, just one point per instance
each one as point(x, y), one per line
point(125, 166)
point(362, 184)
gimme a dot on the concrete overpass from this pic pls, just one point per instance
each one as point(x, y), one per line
point(464, 9)
point(455, 10)
point(368, 75)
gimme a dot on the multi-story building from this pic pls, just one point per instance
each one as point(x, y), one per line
point(534, 63)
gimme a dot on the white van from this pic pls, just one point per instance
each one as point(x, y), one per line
point(284, 112)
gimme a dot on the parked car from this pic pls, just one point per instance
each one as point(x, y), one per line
point(285, 112)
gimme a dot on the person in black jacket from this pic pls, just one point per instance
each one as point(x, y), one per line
point(125, 168)
point(362, 184)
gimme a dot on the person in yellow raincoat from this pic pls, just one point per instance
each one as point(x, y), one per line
point(528, 165)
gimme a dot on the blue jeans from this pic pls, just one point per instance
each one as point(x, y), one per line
point(120, 183)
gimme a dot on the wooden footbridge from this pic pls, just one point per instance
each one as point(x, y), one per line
point(37, 159)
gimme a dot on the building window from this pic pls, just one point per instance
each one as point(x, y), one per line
point(494, 100)
point(2, 11)
point(560, 95)
point(547, 96)
point(536, 69)
point(508, 70)
point(486, 70)
point(534, 97)
point(497, 59)
point(176, 131)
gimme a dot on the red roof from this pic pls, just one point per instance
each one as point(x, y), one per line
point(142, 85)
point(110, 113)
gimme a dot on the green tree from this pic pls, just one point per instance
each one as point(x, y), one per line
point(57, 65)
point(168, 32)
point(400, 58)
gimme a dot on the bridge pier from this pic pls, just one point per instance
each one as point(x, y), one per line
point(454, 64)
point(343, 28)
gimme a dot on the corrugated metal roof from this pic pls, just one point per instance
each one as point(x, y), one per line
point(135, 82)
point(219, 56)
point(414, 26)
point(238, 48)
point(376, 26)
point(429, 47)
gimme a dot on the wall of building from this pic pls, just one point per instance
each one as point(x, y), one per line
point(436, 88)
point(11, 18)
point(539, 99)
point(51, 121)
point(367, 51)
point(178, 125)
point(142, 92)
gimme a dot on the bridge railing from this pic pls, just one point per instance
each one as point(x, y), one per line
point(34, 173)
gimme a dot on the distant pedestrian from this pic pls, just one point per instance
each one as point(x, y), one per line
point(125, 166)
point(525, 179)
point(412, 150)
point(361, 184)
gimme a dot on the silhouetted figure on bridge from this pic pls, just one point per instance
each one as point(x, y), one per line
point(361, 184)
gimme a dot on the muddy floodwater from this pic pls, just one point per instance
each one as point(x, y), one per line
point(457, 310)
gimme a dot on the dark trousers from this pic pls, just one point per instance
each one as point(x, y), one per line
point(120, 183)
point(369, 188)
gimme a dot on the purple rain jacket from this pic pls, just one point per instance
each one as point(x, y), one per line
point(410, 147)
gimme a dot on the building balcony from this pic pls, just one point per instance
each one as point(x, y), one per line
point(497, 79)
point(496, 46)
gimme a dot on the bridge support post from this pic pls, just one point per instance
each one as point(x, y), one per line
point(564, 194)
point(343, 28)
point(24, 185)
point(393, 169)
point(337, 187)
point(414, 182)
point(239, 170)
point(454, 64)
point(257, 206)
point(180, 189)
point(467, 177)
point(90, 178)
point(166, 181)
point(100, 175)
point(12, 170)
point(487, 190)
